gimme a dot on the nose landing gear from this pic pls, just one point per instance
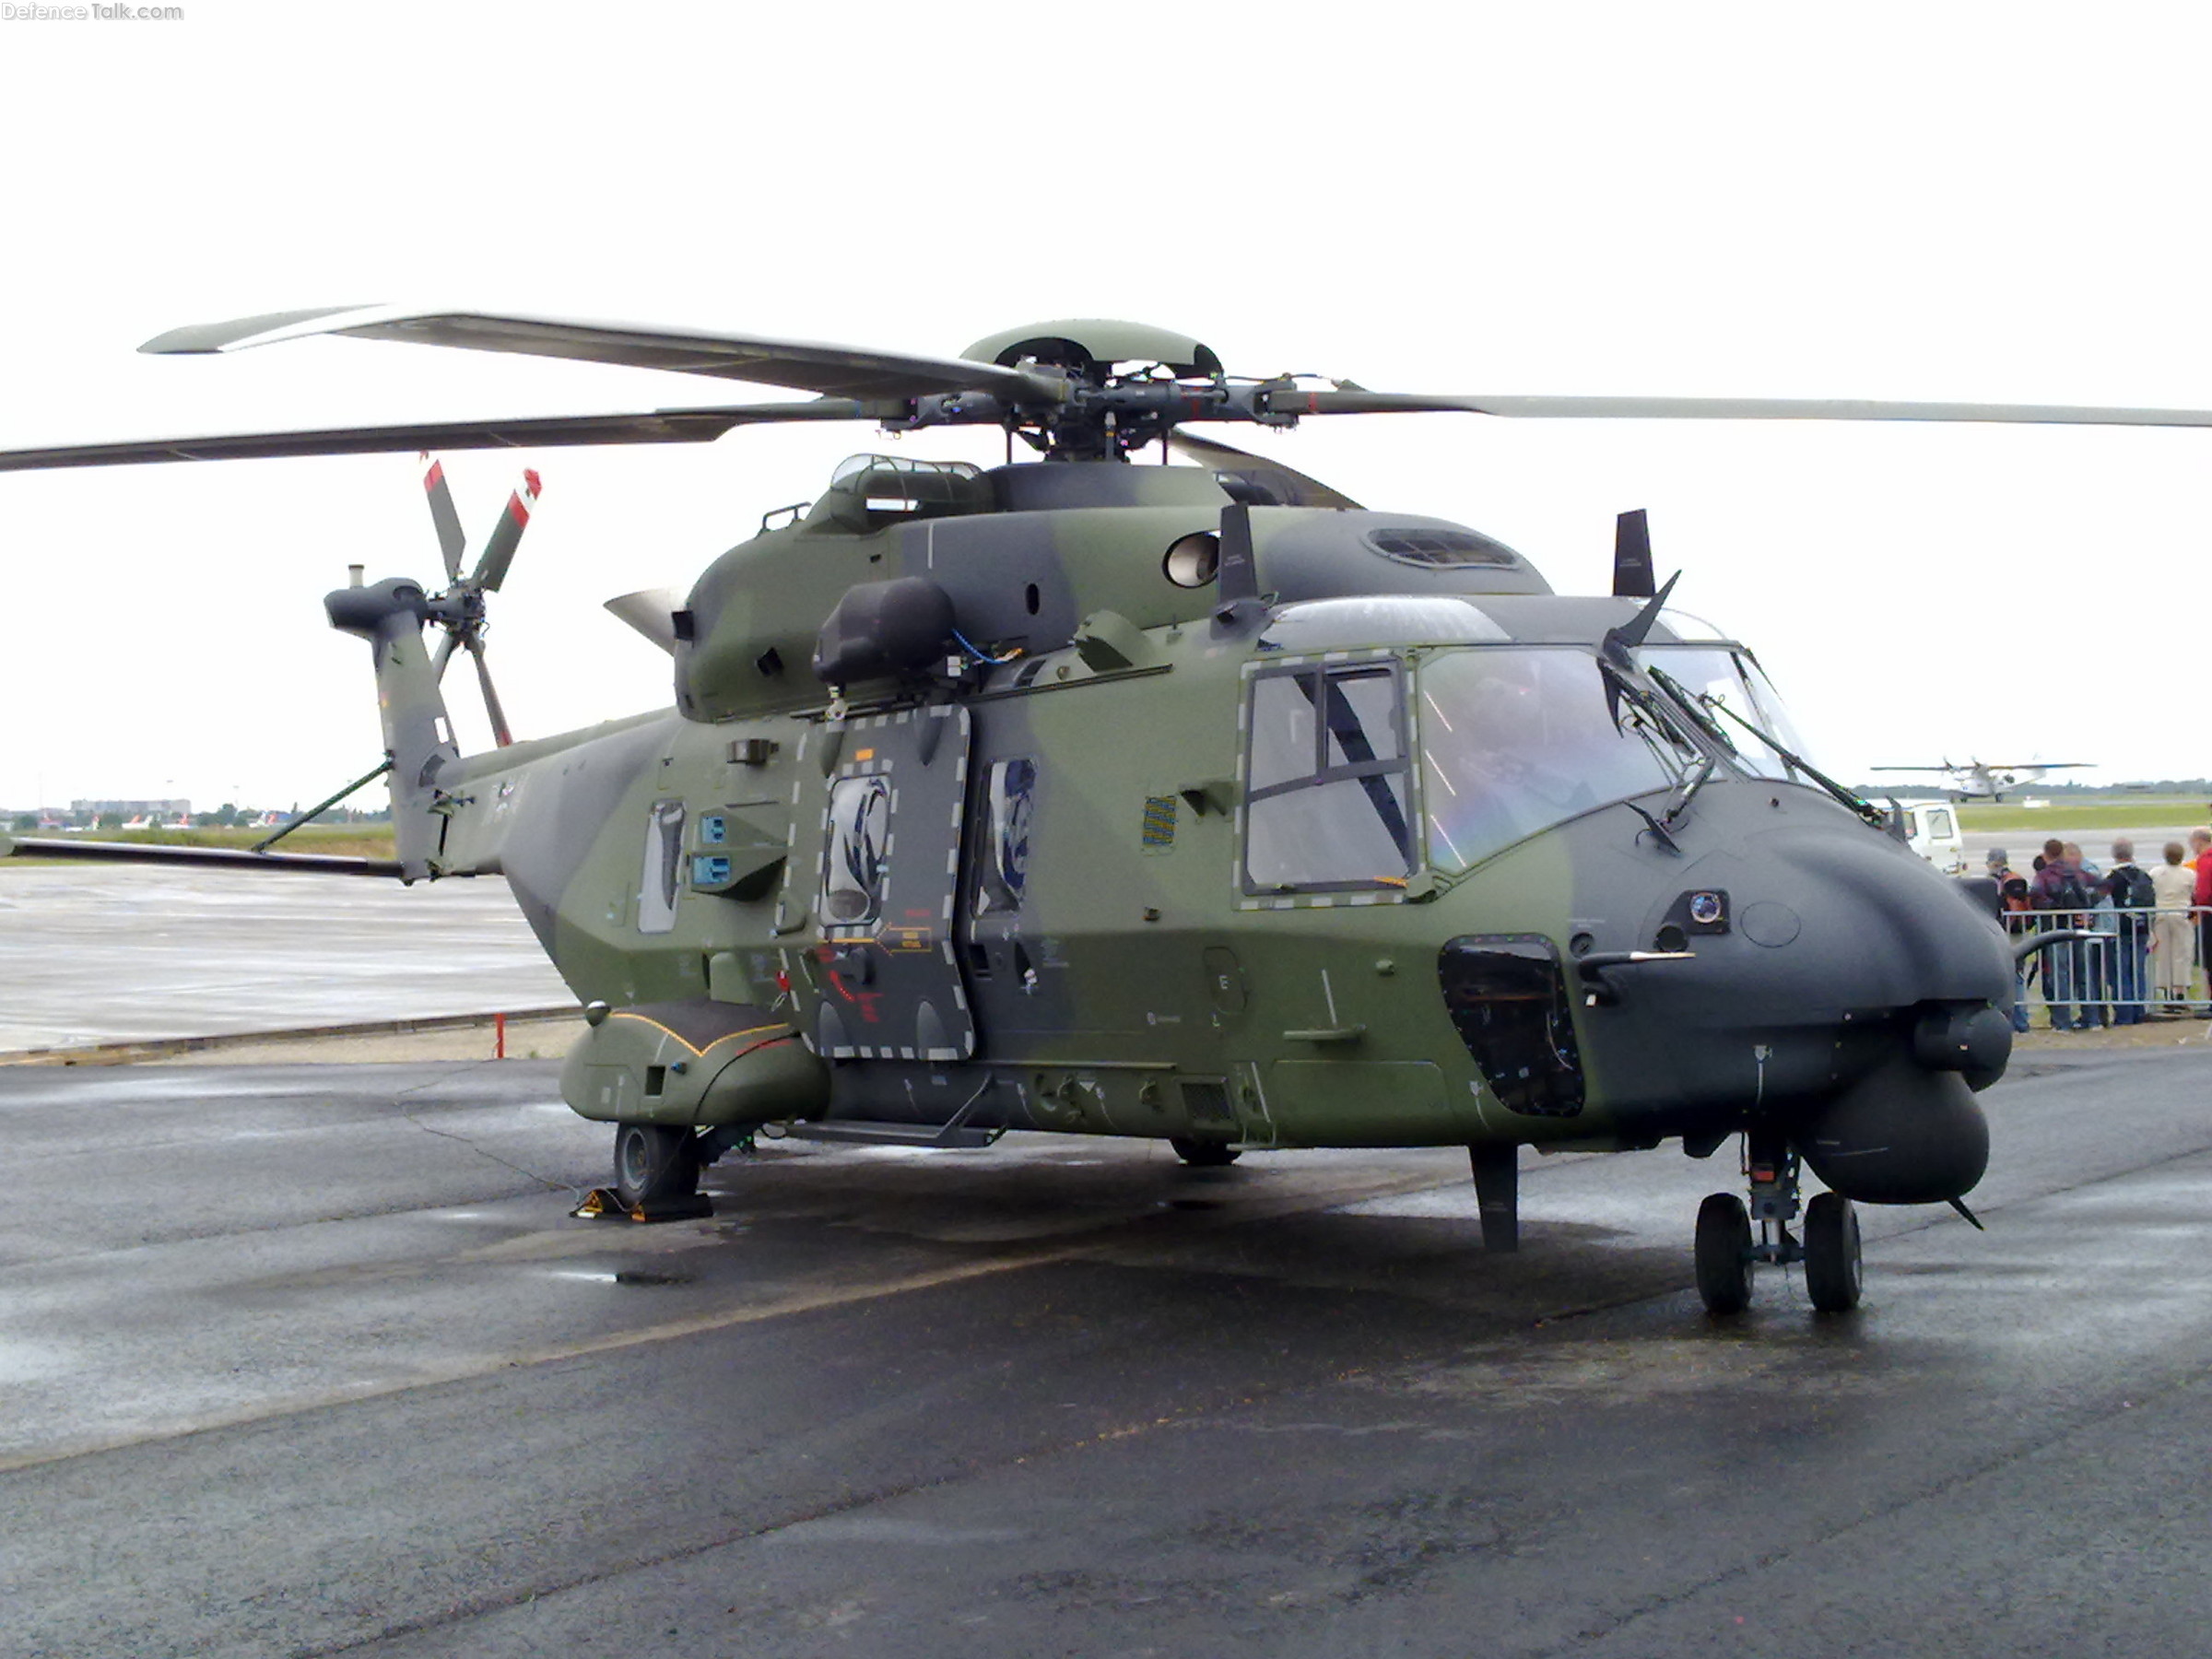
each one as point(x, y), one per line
point(1727, 1252)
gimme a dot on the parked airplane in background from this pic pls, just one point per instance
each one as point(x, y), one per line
point(1979, 780)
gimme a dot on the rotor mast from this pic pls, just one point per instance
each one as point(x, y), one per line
point(1105, 389)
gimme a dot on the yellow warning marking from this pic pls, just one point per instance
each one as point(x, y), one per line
point(760, 1031)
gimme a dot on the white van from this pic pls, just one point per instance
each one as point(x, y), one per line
point(1933, 834)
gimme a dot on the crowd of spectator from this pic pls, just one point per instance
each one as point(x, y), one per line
point(2135, 940)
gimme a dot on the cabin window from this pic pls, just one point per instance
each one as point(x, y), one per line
point(1002, 865)
point(1193, 560)
point(1516, 739)
point(664, 868)
point(1437, 547)
point(855, 862)
point(1327, 792)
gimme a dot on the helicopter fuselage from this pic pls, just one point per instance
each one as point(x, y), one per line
point(1376, 852)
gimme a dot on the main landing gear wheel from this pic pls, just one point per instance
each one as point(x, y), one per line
point(1724, 1254)
point(1204, 1154)
point(1832, 1275)
point(654, 1163)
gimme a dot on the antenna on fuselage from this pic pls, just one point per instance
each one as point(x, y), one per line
point(1632, 556)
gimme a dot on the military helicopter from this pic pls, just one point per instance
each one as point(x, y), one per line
point(1196, 803)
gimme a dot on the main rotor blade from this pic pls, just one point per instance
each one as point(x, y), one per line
point(499, 733)
point(1355, 401)
point(507, 535)
point(657, 426)
point(328, 863)
point(809, 365)
point(1296, 489)
point(451, 541)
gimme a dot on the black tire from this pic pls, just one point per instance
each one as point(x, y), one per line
point(654, 1163)
point(1832, 1275)
point(1724, 1254)
point(1205, 1154)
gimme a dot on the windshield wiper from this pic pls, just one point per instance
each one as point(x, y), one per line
point(1617, 654)
point(1698, 708)
point(1625, 676)
point(1678, 802)
point(1866, 809)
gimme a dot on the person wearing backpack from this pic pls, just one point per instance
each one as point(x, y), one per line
point(2127, 884)
point(2062, 894)
point(2012, 895)
point(2097, 952)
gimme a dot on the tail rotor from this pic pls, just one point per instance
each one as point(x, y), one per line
point(460, 609)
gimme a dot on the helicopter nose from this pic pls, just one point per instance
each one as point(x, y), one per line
point(1838, 985)
point(1859, 922)
point(1852, 923)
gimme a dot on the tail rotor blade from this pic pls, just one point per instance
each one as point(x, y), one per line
point(451, 541)
point(499, 552)
point(499, 733)
point(444, 654)
point(1632, 556)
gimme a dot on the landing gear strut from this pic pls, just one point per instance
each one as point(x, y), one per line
point(1497, 1195)
point(1728, 1251)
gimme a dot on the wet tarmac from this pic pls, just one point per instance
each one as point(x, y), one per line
point(101, 953)
point(310, 1360)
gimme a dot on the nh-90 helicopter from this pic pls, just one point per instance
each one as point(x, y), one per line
point(1197, 803)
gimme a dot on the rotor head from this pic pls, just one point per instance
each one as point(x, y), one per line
point(1088, 348)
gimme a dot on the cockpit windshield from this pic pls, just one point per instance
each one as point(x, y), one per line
point(1726, 681)
point(1514, 739)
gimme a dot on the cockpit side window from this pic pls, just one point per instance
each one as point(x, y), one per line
point(1327, 794)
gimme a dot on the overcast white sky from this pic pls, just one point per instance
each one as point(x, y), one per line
point(1975, 202)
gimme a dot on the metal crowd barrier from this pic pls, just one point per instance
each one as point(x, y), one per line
point(2133, 966)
